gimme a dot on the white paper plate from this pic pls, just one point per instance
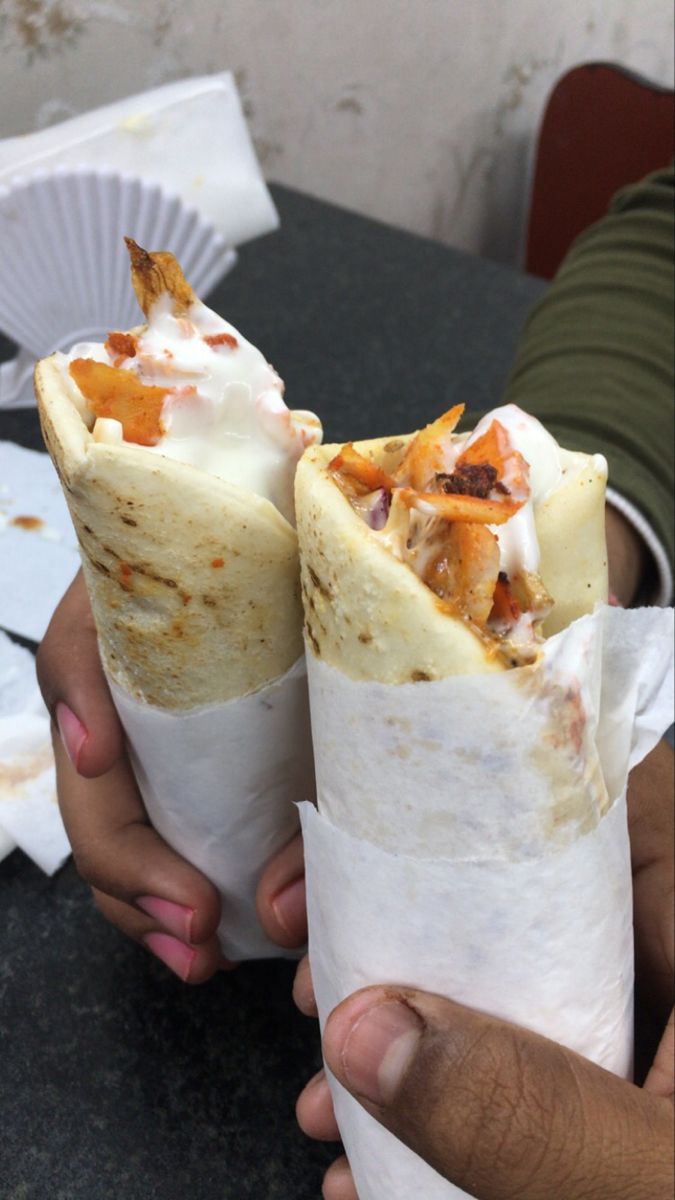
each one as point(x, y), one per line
point(64, 268)
point(16, 381)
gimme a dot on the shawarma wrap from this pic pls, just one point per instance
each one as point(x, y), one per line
point(475, 711)
point(177, 455)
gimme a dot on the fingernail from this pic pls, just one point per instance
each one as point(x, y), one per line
point(290, 909)
point(340, 1177)
point(379, 1048)
point(174, 954)
point(73, 732)
point(303, 990)
point(176, 918)
point(319, 1078)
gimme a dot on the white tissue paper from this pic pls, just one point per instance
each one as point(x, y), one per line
point(29, 814)
point(39, 554)
point(220, 785)
point(471, 840)
point(189, 136)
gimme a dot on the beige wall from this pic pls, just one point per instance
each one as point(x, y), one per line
point(420, 112)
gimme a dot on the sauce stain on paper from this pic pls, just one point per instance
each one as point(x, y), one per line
point(22, 770)
point(26, 522)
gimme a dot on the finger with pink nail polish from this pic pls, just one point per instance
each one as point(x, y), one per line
point(173, 953)
point(72, 731)
point(175, 918)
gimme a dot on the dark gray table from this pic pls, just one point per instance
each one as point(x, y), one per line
point(116, 1081)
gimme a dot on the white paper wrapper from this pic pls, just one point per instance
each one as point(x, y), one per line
point(220, 784)
point(469, 846)
point(29, 814)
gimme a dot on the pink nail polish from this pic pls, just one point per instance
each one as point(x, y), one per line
point(73, 732)
point(176, 955)
point(176, 918)
point(290, 909)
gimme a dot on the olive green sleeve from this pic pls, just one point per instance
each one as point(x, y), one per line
point(596, 362)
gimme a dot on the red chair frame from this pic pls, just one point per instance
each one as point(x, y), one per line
point(603, 127)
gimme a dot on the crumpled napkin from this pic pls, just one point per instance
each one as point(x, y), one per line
point(190, 137)
point(38, 546)
point(29, 813)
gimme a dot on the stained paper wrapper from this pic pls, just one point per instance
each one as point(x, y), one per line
point(220, 785)
point(471, 840)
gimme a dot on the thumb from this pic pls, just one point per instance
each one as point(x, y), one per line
point(497, 1110)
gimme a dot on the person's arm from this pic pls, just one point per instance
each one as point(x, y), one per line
point(628, 558)
point(596, 365)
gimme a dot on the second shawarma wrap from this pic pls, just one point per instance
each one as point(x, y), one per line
point(475, 711)
point(436, 556)
point(177, 454)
